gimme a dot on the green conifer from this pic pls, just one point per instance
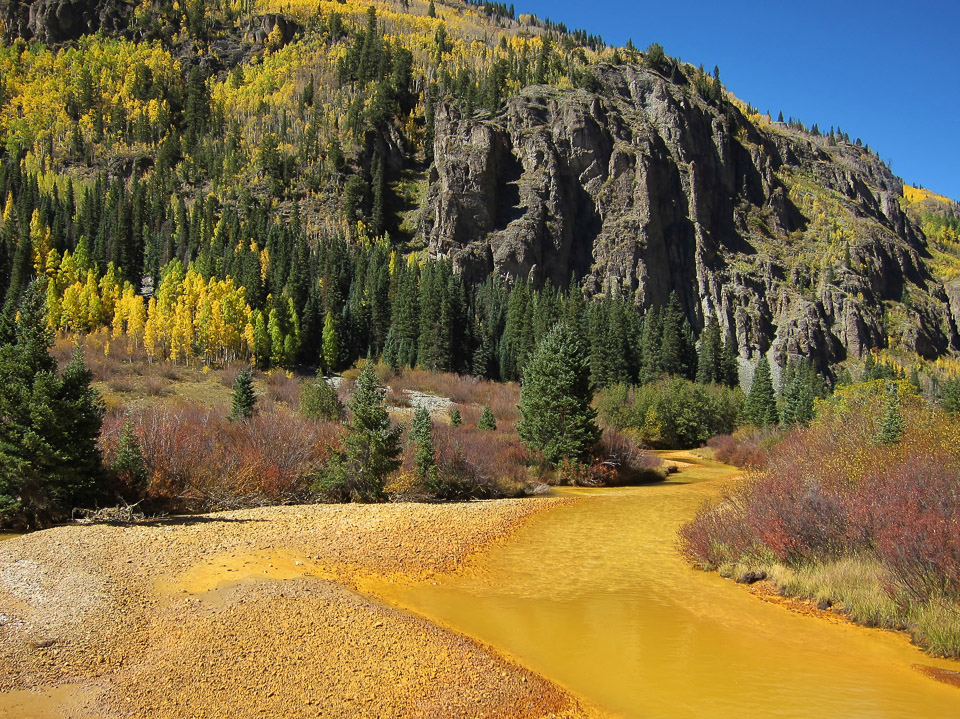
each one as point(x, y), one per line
point(761, 405)
point(319, 400)
point(244, 398)
point(372, 445)
point(422, 435)
point(129, 465)
point(487, 421)
point(892, 425)
point(50, 461)
point(555, 411)
point(731, 365)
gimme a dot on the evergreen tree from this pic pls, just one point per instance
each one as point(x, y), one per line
point(421, 434)
point(843, 378)
point(892, 425)
point(710, 368)
point(487, 421)
point(129, 466)
point(730, 365)
point(555, 411)
point(799, 392)
point(456, 419)
point(678, 354)
point(949, 395)
point(651, 347)
point(371, 449)
point(49, 457)
point(244, 399)
point(761, 405)
point(331, 344)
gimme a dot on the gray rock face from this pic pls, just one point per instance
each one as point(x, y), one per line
point(57, 21)
point(643, 188)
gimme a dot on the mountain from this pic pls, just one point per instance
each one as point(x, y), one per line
point(507, 144)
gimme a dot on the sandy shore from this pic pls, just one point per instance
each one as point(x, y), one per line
point(254, 613)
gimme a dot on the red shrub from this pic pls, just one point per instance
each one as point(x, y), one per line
point(744, 450)
point(625, 462)
point(198, 459)
point(915, 527)
point(834, 490)
point(717, 535)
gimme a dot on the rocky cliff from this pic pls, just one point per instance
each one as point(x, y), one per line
point(795, 242)
point(56, 21)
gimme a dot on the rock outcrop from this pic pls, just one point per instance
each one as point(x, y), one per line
point(641, 187)
point(56, 21)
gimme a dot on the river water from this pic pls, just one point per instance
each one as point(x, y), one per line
point(594, 596)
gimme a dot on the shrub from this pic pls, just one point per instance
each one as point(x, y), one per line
point(628, 462)
point(672, 412)
point(283, 387)
point(502, 397)
point(745, 448)
point(197, 460)
point(830, 494)
point(319, 400)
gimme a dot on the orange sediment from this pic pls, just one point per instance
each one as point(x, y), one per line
point(254, 613)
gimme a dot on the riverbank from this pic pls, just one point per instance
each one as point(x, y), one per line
point(595, 596)
point(255, 611)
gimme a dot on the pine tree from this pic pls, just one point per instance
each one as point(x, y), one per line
point(371, 448)
point(730, 364)
point(244, 398)
point(710, 356)
point(761, 405)
point(50, 461)
point(456, 419)
point(892, 425)
point(798, 395)
point(129, 466)
point(487, 421)
point(651, 347)
point(555, 411)
point(421, 434)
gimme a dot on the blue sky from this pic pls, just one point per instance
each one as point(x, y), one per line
point(887, 72)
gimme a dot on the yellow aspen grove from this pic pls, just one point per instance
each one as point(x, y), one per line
point(52, 307)
point(150, 337)
point(182, 335)
point(52, 267)
point(67, 272)
point(135, 314)
point(110, 290)
point(119, 317)
point(90, 300)
point(72, 314)
point(38, 233)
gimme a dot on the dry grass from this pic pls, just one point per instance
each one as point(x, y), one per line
point(835, 515)
point(936, 626)
point(470, 393)
point(856, 585)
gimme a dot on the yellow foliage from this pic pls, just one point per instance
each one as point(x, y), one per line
point(916, 194)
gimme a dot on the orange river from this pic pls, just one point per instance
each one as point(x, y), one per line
point(595, 596)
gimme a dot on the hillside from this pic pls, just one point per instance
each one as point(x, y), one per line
point(294, 151)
